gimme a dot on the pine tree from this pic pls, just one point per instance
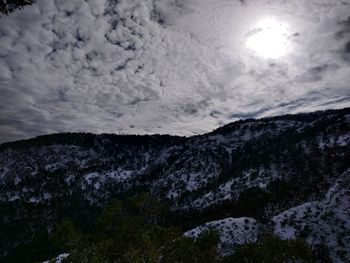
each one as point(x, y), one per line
point(8, 6)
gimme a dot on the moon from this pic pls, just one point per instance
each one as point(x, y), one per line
point(269, 39)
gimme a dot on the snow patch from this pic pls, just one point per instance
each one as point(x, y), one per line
point(59, 258)
point(233, 232)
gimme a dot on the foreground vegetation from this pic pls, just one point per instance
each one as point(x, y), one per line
point(136, 231)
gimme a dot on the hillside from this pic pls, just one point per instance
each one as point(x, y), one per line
point(273, 168)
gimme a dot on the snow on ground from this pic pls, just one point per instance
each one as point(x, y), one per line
point(233, 232)
point(325, 222)
point(231, 189)
point(334, 140)
point(59, 258)
point(100, 179)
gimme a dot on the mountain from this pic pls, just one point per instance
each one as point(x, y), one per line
point(324, 224)
point(282, 173)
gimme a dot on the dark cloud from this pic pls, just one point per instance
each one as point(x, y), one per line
point(319, 69)
point(347, 47)
point(215, 114)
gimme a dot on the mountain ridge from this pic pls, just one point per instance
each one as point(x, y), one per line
point(250, 168)
point(296, 116)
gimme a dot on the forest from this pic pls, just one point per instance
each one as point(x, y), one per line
point(139, 229)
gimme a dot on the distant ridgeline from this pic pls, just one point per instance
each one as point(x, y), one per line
point(250, 183)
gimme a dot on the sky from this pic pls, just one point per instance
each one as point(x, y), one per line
point(180, 67)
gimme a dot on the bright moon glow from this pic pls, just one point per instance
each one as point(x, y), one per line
point(269, 39)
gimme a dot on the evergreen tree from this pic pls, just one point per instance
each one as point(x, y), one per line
point(8, 6)
point(272, 249)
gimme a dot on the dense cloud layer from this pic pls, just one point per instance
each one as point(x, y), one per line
point(165, 66)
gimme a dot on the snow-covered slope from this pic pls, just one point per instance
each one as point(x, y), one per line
point(232, 232)
point(58, 259)
point(192, 173)
point(321, 223)
point(251, 168)
point(324, 224)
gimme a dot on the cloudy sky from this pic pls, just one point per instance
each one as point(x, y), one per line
point(168, 66)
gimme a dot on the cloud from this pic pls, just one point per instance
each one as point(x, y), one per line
point(165, 66)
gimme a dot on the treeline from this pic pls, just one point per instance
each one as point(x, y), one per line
point(89, 140)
